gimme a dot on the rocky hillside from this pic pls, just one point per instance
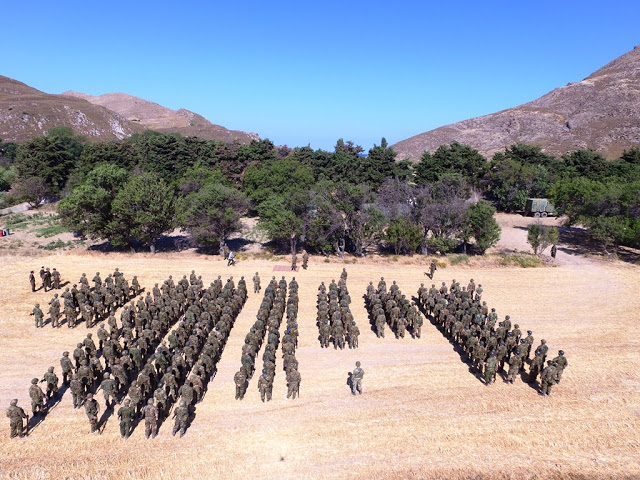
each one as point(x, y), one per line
point(152, 116)
point(26, 112)
point(602, 112)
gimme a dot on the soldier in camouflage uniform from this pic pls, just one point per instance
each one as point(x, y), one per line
point(126, 414)
point(256, 283)
point(92, 409)
point(37, 397)
point(240, 379)
point(490, 368)
point(181, 414)
point(293, 383)
point(548, 378)
point(51, 380)
point(108, 387)
point(305, 260)
point(38, 315)
point(150, 413)
point(67, 368)
point(560, 363)
point(15, 415)
point(356, 379)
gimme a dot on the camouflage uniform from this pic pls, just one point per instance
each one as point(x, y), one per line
point(92, 408)
point(181, 414)
point(37, 397)
point(15, 415)
point(356, 379)
point(150, 413)
point(126, 415)
point(293, 383)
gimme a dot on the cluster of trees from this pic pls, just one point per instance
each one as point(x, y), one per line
point(133, 191)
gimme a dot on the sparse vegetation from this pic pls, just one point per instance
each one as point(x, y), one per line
point(521, 260)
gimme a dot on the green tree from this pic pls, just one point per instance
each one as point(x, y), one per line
point(212, 213)
point(480, 224)
point(51, 157)
point(541, 236)
point(143, 210)
point(451, 159)
point(284, 177)
point(403, 236)
point(33, 190)
point(283, 219)
point(88, 208)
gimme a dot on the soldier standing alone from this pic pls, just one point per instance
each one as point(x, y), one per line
point(356, 379)
point(256, 283)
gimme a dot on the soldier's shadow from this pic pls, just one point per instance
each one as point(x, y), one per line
point(350, 380)
point(40, 417)
point(104, 418)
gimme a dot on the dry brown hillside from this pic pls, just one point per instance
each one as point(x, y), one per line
point(601, 112)
point(26, 112)
point(156, 117)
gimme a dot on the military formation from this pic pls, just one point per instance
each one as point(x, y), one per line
point(488, 344)
point(334, 320)
point(133, 363)
point(267, 325)
point(160, 357)
point(89, 304)
point(392, 308)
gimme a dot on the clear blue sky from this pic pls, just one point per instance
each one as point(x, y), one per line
point(311, 72)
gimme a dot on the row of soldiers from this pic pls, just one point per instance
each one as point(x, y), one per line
point(392, 308)
point(464, 318)
point(335, 321)
point(49, 279)
point(290, 343)
point(267, 324)
point(90, 304)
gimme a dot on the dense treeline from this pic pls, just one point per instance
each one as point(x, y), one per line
point(133, 191)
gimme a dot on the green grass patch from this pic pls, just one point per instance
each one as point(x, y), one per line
point(50, 230)
point(57, 245)
point(522, 260)
point(458, 259)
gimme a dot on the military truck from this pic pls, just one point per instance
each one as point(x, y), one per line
point(539, 207)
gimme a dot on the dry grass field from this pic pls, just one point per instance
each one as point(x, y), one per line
point(423, 414)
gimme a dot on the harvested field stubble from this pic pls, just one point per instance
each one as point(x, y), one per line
point(422, 414)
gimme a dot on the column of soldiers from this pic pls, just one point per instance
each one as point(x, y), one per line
point(89, 304)
point(392, 308)
point(335, 321)
point(465, 319)
point(267, 324)
point(184, 367)
point(290, 343)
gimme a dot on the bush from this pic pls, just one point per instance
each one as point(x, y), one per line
point(524, 261)
point(458, 259)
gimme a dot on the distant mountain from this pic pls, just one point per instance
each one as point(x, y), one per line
point(26, 112)
point(152, 116)
point(602, 112)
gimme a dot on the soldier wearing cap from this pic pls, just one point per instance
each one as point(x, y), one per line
point(15, 415)
point(38, 315)
point(37, 397)
point(150, 413)
point(181, 414)
point(126, 414)
point(561, 363)
point(92, 409)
